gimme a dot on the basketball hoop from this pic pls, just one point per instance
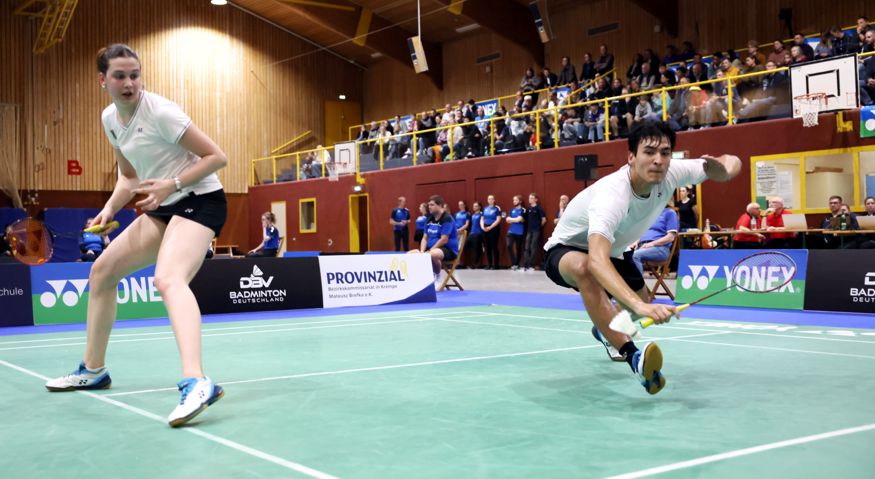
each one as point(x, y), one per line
point(333, 173)
point(809, 107)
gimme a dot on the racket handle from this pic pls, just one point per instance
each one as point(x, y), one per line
point(98, 229)
point(648, 322)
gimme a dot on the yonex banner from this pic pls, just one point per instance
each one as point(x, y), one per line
point(15, 295)
point(59, 294)
point(365, 280)
point(701, 272)
point(257, 284)
point(841, 280)
point(490, 108)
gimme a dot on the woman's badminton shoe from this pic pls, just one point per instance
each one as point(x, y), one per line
point(648, 362)
point(197, 395)
point(81, 379)
point(612, 351)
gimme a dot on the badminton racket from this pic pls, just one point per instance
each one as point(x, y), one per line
point(33, 243)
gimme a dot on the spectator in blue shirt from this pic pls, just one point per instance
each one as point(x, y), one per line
point(655, 245)
point(421, 221)
point(491, 226)
point(91, 245)
point(270, 244)
point(463, 222)
point(399, 219)
point(475, 239)
point(516, 232)
point(535, 220)
point(441, 239)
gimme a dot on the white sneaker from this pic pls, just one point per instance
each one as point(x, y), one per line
point(612, 351)
point(197, 394)
point(82, 378)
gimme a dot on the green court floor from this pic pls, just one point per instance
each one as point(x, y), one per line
point(449, 393)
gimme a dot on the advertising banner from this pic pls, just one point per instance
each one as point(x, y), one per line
point(701, 272)
point(841, 280)
point(489, 107)
point(59, 294)
point(364, 280)
point(257, 284)
point(15, 295)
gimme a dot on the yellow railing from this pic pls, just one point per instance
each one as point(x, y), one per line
point(378, 155)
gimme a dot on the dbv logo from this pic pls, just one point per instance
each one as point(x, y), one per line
point(702, 281)
point(69, 297)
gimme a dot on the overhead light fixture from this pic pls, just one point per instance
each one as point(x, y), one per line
point(341, 97)
point(219, 3)
point(357, 188)
point(468, 28)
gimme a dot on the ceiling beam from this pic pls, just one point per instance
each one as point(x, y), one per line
point(666, 11)
point(382, 35)
point(498, 16)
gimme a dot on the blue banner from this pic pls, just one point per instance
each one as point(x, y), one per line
point(490, 108)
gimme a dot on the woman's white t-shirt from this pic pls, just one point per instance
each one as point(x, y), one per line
point(150, 142)
point(612, 209)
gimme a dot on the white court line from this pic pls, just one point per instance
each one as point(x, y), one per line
point(789, 350)
point(743, 452)
point(789, 334)
point(237, 333)
point(309, 471)
point(251, 326)
point(403, 366)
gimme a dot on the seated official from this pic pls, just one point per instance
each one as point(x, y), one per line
point(749, 221)
point(441, 239)
point(839, 218)
point(655, 245)
point(270, 243)
point(777, 236)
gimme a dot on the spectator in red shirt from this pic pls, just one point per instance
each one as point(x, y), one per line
point(775, 222)
point(749, 221)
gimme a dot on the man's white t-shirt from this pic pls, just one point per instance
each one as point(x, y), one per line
point(612, 209)
point(150, 142)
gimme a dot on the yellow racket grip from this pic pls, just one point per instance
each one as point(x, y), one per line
point(100, 229)
point(648, 322)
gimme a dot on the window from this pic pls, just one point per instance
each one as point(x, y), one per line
point(307, 210)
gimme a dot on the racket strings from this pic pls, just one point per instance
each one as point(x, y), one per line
point(31, 242)
point(764, 272)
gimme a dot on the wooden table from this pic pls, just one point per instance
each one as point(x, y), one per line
point(697, 235)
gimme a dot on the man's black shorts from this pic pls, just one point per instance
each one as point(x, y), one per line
point(625, 267)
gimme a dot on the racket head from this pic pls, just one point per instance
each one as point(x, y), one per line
point(31, 242)
point(764, 272)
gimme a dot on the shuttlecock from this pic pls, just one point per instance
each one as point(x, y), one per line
point(622, 323)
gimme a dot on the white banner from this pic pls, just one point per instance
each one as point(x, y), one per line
point(366, 280)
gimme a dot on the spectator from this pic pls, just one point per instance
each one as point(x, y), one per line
point(550, 80)
point(475, 239)
point(697, 112)
point(647, 79)
point(462, 218)
point(605, 62)
point(530, 83)
point(869, 203)
point(567, 74)
point(421, 221)
point(688, 51)
point(824, 47)
point(837, 219)
point(91, 245)
point(634, 70)
point(587, 70)
point(775, 222)
point(868, 41)
point(594, 123)
point(535, 220)
point(563, 203)
point(868, 241)
point(491, 225)
point(862, 27)
point(399, 219)
point(644, 110)
point(671, 54)
point(806, 50)
point(842, 43)
point(777, 55)
point(440, 241)
point(270, 242)
point(516, 232)
point(728, 68)
point(655, 245)
point(749, 221)
point(688, 212)
point(753, 50)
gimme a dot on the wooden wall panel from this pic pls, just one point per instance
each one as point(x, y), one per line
point(216, 63)
point(390, 88)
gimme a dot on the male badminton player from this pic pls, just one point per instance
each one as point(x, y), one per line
point(163, 156)
point(588, 249)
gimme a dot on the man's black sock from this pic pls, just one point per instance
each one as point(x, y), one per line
point(628, 350)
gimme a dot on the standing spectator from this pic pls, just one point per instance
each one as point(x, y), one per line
point(535, 220)
point(688, 211)
point(567, 75)
point(563, 203)
point(462, 218)
point(421, 221)
point(606, 61)
point(775, 222)
point(749, 221)
point(475, 239)
point(530, 83)
point(399, 219)
point(516, 232)
point(587, 70)
point(550, 80)
point(777, 55)
point(270, 243)
point(656, 243)
point(491, 225)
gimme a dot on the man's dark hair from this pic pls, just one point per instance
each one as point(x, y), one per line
point(436, 199)
point(116, 50)
point(651, 130)
point(836, 197)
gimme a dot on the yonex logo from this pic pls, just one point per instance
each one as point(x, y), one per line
point(701, 282)
point(757, 279)
point(189, 211)
point(69, 297)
